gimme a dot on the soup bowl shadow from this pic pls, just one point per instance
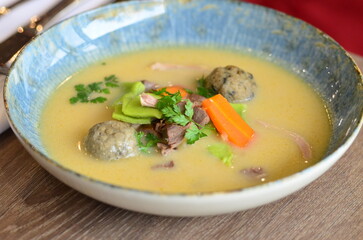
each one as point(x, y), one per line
point(132, 26)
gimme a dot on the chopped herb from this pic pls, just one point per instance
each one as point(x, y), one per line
point(73, 100)
point(173, 114)
point(188, 91)
point(161, 92)
point(91, 92)
point(146, 142)
point(203, 90)
point(189, 112)
point(111, 81)
point(98, 100)
point(223, 152)
point(194, 133)
point(103, 63)
point(169, 100)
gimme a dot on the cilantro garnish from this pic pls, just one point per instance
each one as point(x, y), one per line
point(203, 90)
point(91, 92)
point(145, 142)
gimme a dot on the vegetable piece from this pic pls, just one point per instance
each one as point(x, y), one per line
point(227, 121)
point(91, 92)
point(131, 106)
point(118, 115)
point(223, 152)
point(173, 90)
point(128, 107)
point(240, 108)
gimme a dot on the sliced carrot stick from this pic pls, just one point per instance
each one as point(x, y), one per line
point(227, 121)
point(175, 89)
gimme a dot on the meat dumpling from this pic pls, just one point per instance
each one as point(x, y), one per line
point(111, 140)
point(235, 84)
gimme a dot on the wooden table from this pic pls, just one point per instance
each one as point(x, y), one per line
point(35, 205)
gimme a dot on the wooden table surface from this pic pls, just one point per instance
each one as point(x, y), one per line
point(35, 205)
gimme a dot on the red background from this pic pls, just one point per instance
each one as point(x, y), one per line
point(341, 19)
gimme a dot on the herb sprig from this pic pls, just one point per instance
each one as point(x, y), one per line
point(173, 114)
point(145, 142)
point(203, 90)
point(93, 92)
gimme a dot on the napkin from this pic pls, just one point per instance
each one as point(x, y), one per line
point(20, 15)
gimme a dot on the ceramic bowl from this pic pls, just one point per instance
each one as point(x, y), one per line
point(115, 29)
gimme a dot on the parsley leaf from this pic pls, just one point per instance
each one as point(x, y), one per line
point(203, 90)
point(98, 100)
point(173, 114)
point(189, 112)
point(193, 134)
point(145, 142)
point(91, 92)
point(169, 100)
point(160, 92)
point(111, 81)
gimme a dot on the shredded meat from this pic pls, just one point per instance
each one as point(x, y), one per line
point(301, 142)
point(158, 66)
point(148, 128)
point(196, 99)
point(166, 165)
point(256, 173)
point(164, 148)
point(149, 85)
point(147, 100)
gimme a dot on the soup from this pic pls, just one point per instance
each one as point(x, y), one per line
point(284, 112)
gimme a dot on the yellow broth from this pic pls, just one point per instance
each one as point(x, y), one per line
point(282, 99)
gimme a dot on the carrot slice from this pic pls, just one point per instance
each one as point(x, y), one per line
point(175, 89)
point(227, 121)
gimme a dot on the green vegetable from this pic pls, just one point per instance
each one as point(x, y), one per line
point(203, 90)
point(92, 92)
point(131, 106)
point(118, 115)
point(240, 108)
point(128, 107)
point(146, 142)
point(194, 133)
point(223, 152)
